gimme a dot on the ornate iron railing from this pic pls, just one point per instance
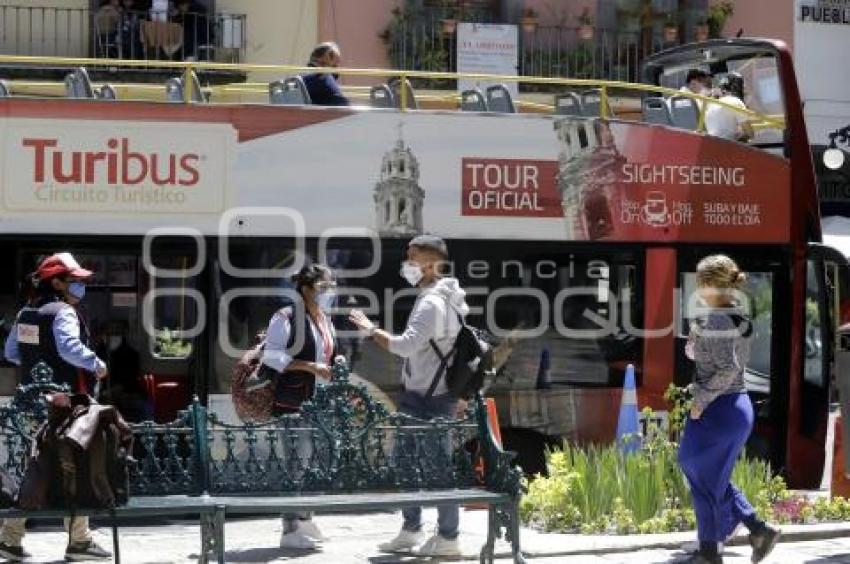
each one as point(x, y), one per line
point(424, 41)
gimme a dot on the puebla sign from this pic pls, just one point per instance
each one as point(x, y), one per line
point(826, 11)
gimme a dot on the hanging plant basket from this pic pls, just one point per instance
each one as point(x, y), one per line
point(449, 25)
point(585, 32)
point(671, 33)
point(701, 32)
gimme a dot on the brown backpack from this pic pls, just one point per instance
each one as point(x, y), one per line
point(252, 406)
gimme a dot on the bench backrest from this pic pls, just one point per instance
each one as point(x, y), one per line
point(342, 441)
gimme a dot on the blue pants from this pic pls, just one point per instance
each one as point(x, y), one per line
point(707, 454)
point(448, 516)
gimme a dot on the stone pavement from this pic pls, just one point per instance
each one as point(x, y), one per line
point(354, 539)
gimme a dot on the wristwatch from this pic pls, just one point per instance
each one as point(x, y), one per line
point(372, 330)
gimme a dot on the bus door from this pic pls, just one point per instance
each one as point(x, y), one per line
point(826, 356)
point(767, 294)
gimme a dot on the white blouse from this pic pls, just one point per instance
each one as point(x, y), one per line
point(275, 354)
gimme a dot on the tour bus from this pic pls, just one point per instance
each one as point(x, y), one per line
point(575, 232)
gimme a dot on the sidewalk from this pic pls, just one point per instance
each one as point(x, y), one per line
point(354, 539)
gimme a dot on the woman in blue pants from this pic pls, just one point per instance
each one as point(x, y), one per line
point(721, 417)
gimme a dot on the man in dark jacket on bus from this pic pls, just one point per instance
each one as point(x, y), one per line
point(323, 87)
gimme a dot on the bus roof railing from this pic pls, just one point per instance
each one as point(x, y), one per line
point(606, 87)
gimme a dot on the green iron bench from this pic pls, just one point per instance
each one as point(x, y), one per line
point(163, 480)
point(344, 452)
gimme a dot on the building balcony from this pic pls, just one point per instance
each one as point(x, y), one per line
point(113, 33)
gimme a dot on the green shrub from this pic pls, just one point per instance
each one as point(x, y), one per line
point(598, 489)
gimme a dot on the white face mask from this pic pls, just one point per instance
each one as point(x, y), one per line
point(325, 300)
point(411, 272)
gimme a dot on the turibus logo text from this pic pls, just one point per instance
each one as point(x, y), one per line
point(114, 164)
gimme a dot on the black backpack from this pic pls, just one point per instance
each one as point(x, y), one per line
point(467, 364)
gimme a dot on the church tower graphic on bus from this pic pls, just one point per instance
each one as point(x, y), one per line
point(588, 161)
point(398, 196)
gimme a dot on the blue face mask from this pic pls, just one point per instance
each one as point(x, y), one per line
point(325, 300)
point(77, 290)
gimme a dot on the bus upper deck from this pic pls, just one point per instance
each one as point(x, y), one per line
point(595, 98)
point(574, 226)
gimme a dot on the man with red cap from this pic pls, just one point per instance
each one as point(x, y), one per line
point(49, 330)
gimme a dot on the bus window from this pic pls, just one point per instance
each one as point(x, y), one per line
point(758, 295)
point(813, 374)
point(584, 309)
point(814, 389)
point(175, 312)
point(10, 303)
point(248, 297)
point(762, 93)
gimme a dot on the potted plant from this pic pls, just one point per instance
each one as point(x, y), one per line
point(671, 30)
point(701, 31)
point(585, 25)
point(449, 23)
point(528, 21)
point(717, 15)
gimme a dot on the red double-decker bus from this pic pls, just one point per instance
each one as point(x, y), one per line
point(575, 231)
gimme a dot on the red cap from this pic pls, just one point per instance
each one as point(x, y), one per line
point(61, 264)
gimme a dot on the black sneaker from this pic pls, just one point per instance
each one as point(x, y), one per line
point(13, 553)
point(763, 542)
point(83, 551)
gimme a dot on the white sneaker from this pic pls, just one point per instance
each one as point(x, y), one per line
point(298, 540)
point(405, 541)
point(309, 529)
point(439, 546)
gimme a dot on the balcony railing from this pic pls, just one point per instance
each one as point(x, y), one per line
point(429, 43)
point(120, 34)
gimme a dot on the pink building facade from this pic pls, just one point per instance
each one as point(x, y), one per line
point(762, 18)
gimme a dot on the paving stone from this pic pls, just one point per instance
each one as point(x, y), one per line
point(354, 538)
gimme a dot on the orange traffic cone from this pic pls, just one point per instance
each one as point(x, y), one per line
point(493, 419)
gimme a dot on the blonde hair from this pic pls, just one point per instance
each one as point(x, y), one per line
point(720, 272)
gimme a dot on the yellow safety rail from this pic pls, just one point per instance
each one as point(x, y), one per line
point(757, 120)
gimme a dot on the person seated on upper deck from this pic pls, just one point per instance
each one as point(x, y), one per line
point(323, 88)
point(697, 81)
point(724, 122)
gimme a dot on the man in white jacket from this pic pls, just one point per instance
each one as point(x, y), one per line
point(434, 319)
